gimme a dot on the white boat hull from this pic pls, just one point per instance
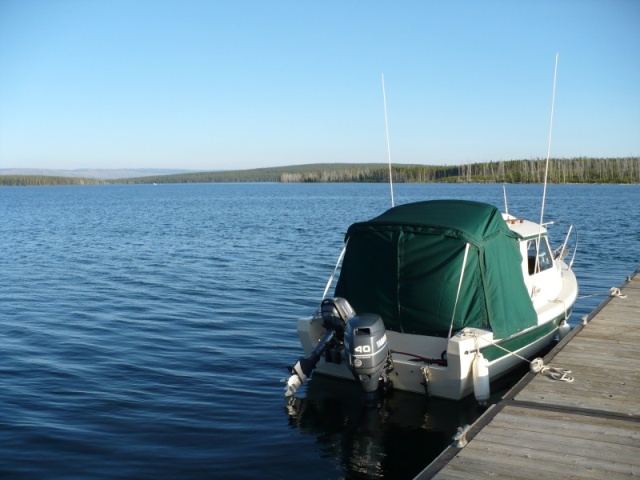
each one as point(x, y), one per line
point(411, 372)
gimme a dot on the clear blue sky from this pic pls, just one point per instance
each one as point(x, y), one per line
point(210, 85)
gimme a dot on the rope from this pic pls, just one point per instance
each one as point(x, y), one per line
point(437, 361)
point(562, 374)
point(536, 365)
point(564, 305)
point(476, 339)
point(613, 292)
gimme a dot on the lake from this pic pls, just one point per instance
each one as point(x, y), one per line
point(145, 329)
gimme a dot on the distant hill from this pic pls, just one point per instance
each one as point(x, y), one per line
point(95, 173)
point(569, 170)
point(317, 172)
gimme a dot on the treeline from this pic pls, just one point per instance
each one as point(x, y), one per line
point(43, 180)
point(568, 170)
point(573, 170)
point(272, 174)
point(374, 174)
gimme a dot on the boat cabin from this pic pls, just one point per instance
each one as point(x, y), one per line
point(539, 270)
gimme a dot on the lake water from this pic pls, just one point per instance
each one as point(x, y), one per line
point(145, 329)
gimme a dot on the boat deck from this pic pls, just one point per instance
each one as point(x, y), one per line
point(545, 428)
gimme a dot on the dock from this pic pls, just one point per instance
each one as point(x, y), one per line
point(545, 428)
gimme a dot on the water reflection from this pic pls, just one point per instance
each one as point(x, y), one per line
point(395, 439)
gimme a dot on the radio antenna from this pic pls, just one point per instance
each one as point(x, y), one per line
point(386, 124)
point(506, 205)
point(546, 168)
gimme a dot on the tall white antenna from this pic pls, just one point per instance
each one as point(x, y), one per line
point(386, 124)
point(506, 205)
point(546, 169)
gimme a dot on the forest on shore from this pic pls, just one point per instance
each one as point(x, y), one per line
point(571, 170)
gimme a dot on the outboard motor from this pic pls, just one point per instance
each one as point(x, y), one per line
point(335, 312)
point(367, 349)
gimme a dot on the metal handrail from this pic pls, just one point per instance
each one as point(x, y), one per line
point(561, 253)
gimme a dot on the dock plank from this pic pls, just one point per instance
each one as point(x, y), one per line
point(588, 429)
point(490, 462)
point(528, 419)
point(607, 405)
point(553, 447)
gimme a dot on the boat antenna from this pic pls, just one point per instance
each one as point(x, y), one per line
point(386, 124)
point(506, 205)
point(546, 169)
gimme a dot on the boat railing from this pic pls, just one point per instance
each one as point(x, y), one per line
point(562, 252)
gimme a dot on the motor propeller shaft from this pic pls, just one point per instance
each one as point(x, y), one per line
point(305, 365)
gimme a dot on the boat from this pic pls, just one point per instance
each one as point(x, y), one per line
point(440, 298)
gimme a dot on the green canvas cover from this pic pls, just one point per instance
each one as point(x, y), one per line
point(405, 265)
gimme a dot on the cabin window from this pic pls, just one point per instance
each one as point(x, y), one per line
point(545, 261)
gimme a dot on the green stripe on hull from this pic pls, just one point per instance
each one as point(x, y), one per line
point(492, 353)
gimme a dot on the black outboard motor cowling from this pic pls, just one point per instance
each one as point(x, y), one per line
point(336, 312)
point(367, 349)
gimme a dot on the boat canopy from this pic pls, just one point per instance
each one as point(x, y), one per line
point(406, 264)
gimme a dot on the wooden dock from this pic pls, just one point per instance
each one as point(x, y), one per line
point(545, 428)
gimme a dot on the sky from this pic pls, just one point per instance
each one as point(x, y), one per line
point(218, 85)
